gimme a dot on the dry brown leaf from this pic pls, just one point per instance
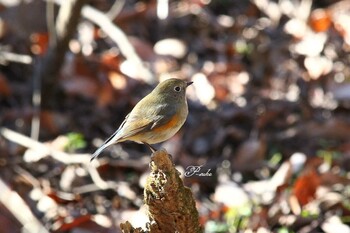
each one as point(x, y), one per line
point(320, 20)
point(219, 82)
point(80, 86)
point(143, 49)
point(40, 43)
point(5, 89)
point(335, 128)
point(8, 222)
point(63, 198)
point(106, 95)
point(52, 122)
point(78, 78)
point(306, 185)
point(250, 154)
point(110, 60)
point(76, 222)
point(259, 219)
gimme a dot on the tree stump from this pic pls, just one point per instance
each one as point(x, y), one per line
point(171, 206)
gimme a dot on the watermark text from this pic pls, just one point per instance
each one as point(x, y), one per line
point(197, 171)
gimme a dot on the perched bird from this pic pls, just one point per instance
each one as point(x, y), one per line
point(156, 118)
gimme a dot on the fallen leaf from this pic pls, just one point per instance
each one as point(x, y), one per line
point(8, 222)
point(320, 20)
point(306, 185)
point(106, 95)
point(62, 198)
point(40, 43)
point(78, 77)
point(76, 222)
point(250, 154)
point(143, 48)
point(53, 122)
point(219, 82)
point(5, 89)
point(80, 86)
point(259, 219)
point(110, 60)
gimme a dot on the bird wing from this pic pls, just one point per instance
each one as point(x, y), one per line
point(146, 119)
point(133, 126)
point(128, 128)
point(141, 120)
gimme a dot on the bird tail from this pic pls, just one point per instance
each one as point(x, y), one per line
point(110, 141)
point(98, 151)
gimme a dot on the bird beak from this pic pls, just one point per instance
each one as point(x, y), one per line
point(188, 83)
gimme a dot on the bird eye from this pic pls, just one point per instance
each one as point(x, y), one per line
point(177, 89)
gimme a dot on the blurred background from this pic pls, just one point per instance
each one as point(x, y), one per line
point(268, 124)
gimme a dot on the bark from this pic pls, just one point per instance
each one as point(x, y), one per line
point(171, 206)
point(48, 68)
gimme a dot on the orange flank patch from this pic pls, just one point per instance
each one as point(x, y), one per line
point(169, 125)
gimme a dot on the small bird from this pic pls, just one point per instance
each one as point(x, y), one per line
point(156, 118)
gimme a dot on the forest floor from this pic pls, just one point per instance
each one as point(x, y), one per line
point(266, 145)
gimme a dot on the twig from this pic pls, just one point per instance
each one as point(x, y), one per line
point(27, 176)
point(115, 9)
point(123, 189)
point(119, 37)
point(96, 178)
point(50, 21)
point(58, 155)
point(14, 57)
point(45, 74)
point(88, 188)
point(35, 145)
point(14, 203)
point(36, 102)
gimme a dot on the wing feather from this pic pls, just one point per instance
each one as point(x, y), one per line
point(141, 120)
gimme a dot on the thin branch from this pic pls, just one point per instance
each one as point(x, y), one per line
point(115, 9)
point(50, 21)
point(58, 155)
point(14, 57)
point(49, 66)
point(14, 203)
point(35, 145)
point(119, 37)
point(45, 75)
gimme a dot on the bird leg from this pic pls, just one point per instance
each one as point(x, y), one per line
point(150, 147)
